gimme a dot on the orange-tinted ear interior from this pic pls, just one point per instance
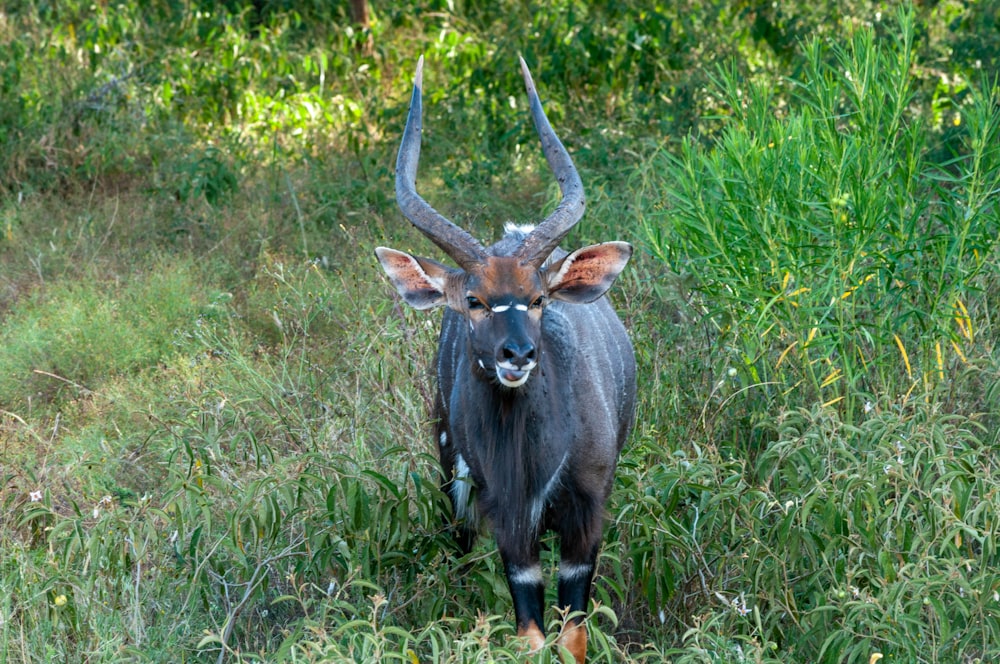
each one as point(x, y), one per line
point(587, 273)
point(421, 281)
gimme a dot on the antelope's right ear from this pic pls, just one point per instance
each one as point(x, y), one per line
point(420, 281)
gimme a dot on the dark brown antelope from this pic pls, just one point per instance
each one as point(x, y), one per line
point(536, 379)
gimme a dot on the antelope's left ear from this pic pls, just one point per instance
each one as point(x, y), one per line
point(420, 281)
point(587, 274)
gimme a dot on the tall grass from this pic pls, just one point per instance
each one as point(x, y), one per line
point(846, 281)
point(837, 259)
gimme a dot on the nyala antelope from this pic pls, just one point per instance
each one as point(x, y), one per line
point(535, 379)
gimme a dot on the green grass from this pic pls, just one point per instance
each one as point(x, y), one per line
point(71, 334)
point(214, 435)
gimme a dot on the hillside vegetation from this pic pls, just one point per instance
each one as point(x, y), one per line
point(214, 410)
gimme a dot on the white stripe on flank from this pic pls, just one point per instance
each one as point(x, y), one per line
point(460, 487)
point(444, 439)
point(538, 504)
point(525, 576)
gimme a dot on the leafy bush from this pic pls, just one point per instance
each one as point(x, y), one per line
point(846, 282)
point(834, 258)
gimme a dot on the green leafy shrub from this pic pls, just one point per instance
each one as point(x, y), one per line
point(845, 281)
point(833, 257)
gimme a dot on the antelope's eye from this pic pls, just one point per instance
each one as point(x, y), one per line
point(539, 301)
point(473, 303)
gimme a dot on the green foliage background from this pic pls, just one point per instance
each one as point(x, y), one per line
point(214, 436)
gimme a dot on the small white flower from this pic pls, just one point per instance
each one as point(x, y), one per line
point(35, 496)
point(737, 604)
point(740, 605)
point(869, 407)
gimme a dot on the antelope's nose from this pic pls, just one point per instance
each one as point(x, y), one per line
point(518, 354)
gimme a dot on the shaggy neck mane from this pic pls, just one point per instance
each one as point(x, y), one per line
point(509, 464)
